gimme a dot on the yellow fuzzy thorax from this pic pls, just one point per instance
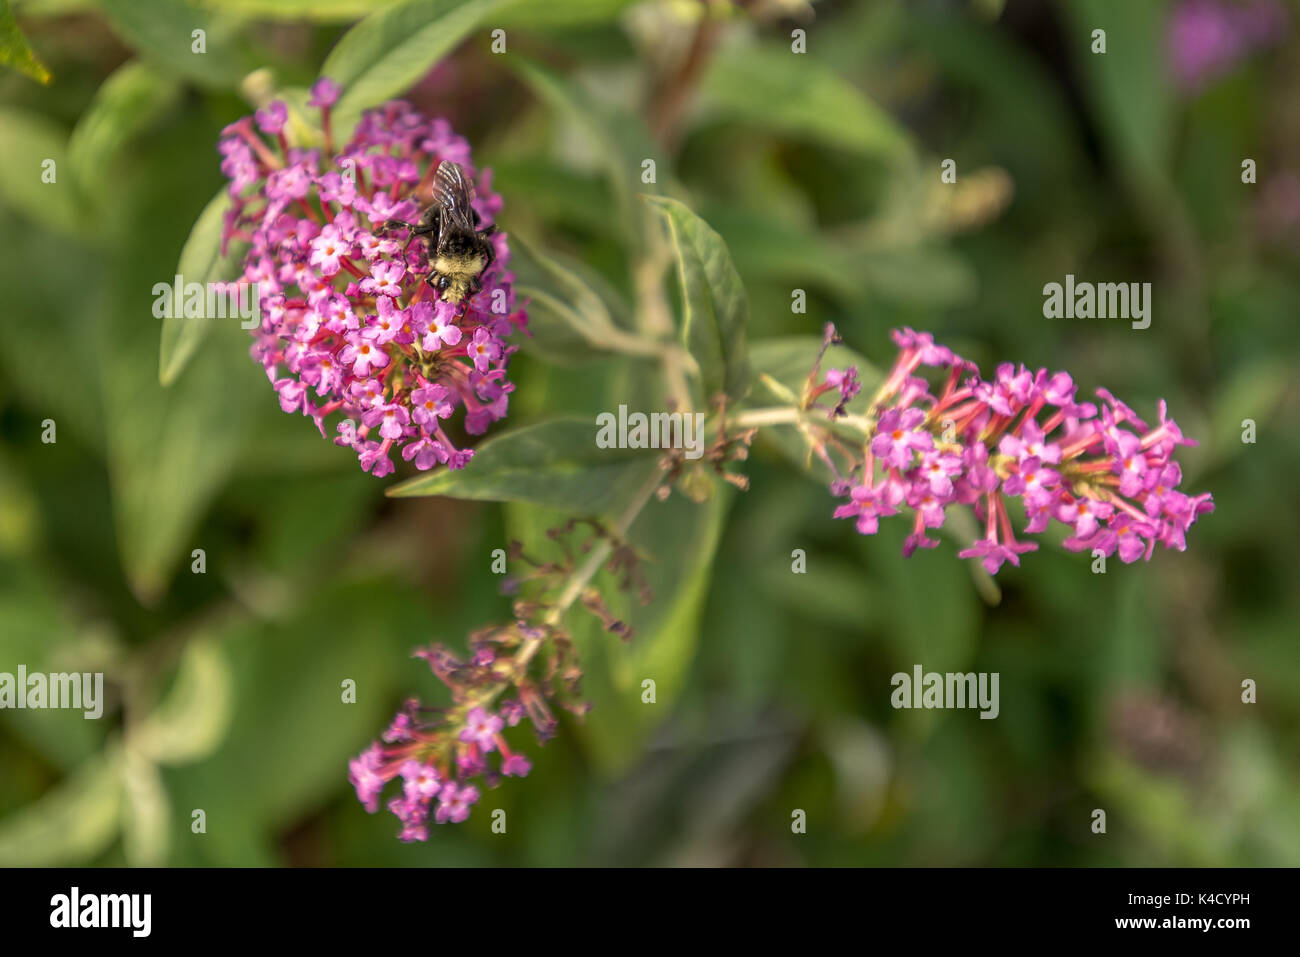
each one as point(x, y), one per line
point(456, 267)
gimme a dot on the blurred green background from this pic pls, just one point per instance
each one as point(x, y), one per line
point(1119, 691)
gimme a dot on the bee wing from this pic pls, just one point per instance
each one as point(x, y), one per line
point(455, 195)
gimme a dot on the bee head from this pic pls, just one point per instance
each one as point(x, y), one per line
point(452, 289)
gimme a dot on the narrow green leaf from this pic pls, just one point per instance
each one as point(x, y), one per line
point(768, 249)
point(165, 32)
point(169, 450)
point(796, 95)
point(587, 310)
point(38, 628)
point(320, 11)
point(125, 104)
point(146, 818)
point(14, 49)
point(390, 50)
point(556, 463)
point(574, 316)
point(560, 13)
point(1131, 91)
point(72, 823)
point(35, 150)
point(621, 144)
point(191, 721)
point(714, 308)
point(918, 276)
point(554, 329)
point(291, 733)
point(201, 262)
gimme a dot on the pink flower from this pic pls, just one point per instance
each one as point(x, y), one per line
point(483, 349)
point(516, 766)
point(364, 773)
point(272, 118)
point(867, 505)
point(391, 418)
point(454, 803)
point(481, 728)
point(385, 279)
point(384, 327)
point(442, 331)
point(430, 404)
point(897, 437)
point(994, 554)
point(363, 355)
point(327, 249)
point(420, 781)
point(324, 93)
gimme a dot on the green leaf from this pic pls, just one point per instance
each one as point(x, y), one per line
point(796, 95)
point(1132, 95)
point(571, 309)
point(38, 629)
point(146, 823)
point(132, 98)
point(1254, 392)
point(163, 31)
point(27, 142)
point(71, 824)
point(169, 450)
point(768, 249)
point(191, 721)
point(560, 13)
point(556, 463)
point(621, 143)
point(714, 309)
point(14, 49)
point(588, 312)
point(320, 11)
point(390, 50)
point(554, 329)
point(285, 755)
point(919, 276)
point(201, 262)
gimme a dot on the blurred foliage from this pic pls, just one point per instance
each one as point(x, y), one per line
point(819, 171)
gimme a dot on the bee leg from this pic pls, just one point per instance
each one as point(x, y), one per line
point(416, 229)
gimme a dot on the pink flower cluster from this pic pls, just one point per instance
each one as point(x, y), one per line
point(440, 752)
point(435, 769)
point(349, 324)
point(1097, 468)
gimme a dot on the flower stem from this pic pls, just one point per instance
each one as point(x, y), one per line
point(579, 580)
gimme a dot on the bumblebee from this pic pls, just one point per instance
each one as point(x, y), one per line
point(459, 251)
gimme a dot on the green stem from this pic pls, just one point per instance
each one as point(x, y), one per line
point(579, 580)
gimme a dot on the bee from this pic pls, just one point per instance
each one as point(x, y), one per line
point(459, 251)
